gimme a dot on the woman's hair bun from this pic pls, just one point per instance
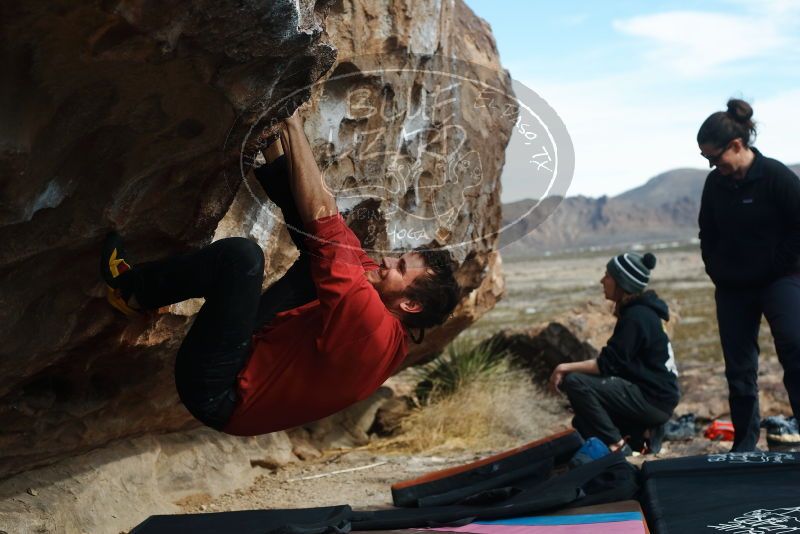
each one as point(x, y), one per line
point(740, 111)
point(722, 127)
point(649, 260)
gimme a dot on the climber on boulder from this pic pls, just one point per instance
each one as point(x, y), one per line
point(324, 336)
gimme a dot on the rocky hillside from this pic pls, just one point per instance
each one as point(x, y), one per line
point(662, 210)
point(140, 116)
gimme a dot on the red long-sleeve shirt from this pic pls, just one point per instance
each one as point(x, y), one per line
point(317, 359)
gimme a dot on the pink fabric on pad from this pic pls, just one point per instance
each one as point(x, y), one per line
point(617, 527)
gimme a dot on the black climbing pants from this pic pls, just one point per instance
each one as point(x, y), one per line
point(739, 314)
point(228, 274)
point(606, 407)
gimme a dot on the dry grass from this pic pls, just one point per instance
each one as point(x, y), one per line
point(499, 410)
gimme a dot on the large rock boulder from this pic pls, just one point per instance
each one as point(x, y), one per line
point(141, 115)
point(573, 336)
point(540, 350)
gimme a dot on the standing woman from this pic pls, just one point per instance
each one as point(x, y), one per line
point(750, 240)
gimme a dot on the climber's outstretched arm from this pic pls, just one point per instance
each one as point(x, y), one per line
point(312, 199)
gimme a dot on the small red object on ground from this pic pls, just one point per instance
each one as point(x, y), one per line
point(720, 431)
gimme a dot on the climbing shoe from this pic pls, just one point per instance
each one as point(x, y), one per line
point(114, 262)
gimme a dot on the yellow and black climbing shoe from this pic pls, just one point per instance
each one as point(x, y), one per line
point(113, 263)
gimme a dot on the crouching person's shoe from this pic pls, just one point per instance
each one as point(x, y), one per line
point(114, 262)
point(626, 450)
point(655, 437)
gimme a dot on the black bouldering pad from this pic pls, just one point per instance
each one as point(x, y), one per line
point(753, 493)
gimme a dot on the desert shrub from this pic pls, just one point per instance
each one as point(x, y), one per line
point(463, 363)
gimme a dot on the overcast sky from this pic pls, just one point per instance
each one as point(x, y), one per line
point(633, 80)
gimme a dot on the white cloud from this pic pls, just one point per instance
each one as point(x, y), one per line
point(693, 43)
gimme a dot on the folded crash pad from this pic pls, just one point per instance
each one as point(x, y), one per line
point(450, 485)
point(752, 493)
point(608, 479)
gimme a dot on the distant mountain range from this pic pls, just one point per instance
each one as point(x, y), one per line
point(662, 210)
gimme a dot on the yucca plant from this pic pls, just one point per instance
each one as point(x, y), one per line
point(462, 363)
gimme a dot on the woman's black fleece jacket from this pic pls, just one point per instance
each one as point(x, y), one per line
point(639, 351)
point(750, 228)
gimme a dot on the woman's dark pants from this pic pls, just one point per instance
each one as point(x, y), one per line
point(739, 314)
point(607, 406)
point(228, 274)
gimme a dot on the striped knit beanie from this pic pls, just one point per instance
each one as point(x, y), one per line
point(631, 271)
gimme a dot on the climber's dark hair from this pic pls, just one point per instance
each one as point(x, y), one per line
point(436, 291)
point(722, 127)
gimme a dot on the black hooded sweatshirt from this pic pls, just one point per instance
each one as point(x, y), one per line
point(750, 228)
point(640, 352)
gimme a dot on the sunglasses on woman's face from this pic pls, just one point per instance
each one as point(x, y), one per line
point(714, 159)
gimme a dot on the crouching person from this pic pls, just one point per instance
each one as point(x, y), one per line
point(631, 389)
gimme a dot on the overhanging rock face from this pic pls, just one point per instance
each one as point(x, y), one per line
point(134, 115)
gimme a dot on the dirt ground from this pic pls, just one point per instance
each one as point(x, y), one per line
point(365, 486)
point(362, 477)
point(537, 290)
